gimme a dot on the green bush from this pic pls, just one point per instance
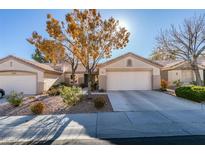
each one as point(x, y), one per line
point(55, 89)
point(15, 98)
point(37, 108)
point(99, 102)
point(71, 95)
point(194, 93)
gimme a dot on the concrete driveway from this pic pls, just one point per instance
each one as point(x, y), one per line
point(145, 114)
point(3, 100)
point(149, 101)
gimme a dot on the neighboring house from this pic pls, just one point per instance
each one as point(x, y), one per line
point(180, 70)
point(25, 76)
point(126, 72)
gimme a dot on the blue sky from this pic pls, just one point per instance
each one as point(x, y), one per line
point(144, 26)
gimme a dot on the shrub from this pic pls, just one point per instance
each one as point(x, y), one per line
point(71, 95)
point(37, 108)
point(55, 90)
point(63, 84)
point(178, 83)
point(164, 85)
point(15, 98)
point(194, 93)
point(99, 102)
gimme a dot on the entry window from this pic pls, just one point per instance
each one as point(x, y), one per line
point(129, 63)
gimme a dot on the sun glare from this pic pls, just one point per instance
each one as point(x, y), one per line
point(124, 23)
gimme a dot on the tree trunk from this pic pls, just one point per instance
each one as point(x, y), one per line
point(197, 74)
point(73, 78)
point(89, 84)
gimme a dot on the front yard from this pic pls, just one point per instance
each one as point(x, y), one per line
point(56, 105)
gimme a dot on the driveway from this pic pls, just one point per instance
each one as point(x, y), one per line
point(3, 100)
point(149, 101)
point(146, 114)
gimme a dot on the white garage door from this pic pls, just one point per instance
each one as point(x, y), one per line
point(139, 80)
point(18, 83)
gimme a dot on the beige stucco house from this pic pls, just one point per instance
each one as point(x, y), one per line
point(179, 70)
point(126, 72)
point(27, 76)
point(129, 72)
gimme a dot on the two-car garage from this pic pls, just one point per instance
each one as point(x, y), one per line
point(18, 81)
point(26, 76)
point(129, 72)
point(135, 80)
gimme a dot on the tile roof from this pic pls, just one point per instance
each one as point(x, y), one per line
point(45, 67)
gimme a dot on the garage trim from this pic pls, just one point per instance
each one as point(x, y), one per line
point(127, 69)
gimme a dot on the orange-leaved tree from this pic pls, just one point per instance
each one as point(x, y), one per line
point(58, 47)
point(94, 38)
point(84, 37)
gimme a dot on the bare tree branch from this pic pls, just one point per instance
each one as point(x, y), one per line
point(186, 42)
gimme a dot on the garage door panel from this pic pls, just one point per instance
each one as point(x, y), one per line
point(138, 80)
point(19, 83)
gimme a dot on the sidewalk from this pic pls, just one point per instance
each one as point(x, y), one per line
point(53, 129)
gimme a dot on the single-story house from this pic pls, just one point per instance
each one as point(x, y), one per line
point(26, 76)
point(126, 72)
point(179, 70)
point(129, 72)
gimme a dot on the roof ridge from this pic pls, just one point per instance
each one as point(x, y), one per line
point(34, 63)
point(131, 53)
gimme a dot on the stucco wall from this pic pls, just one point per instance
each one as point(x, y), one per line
point(12, 64)
point(51, 79)
point(137, 64)
point(15, 65)
point(185, 76)
point(201, 75)
point(164, 75)
point(156, 79)
point(102, 82)
point(67, 68)
point(79, 76)
point(174, 75)
point(123, 64)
